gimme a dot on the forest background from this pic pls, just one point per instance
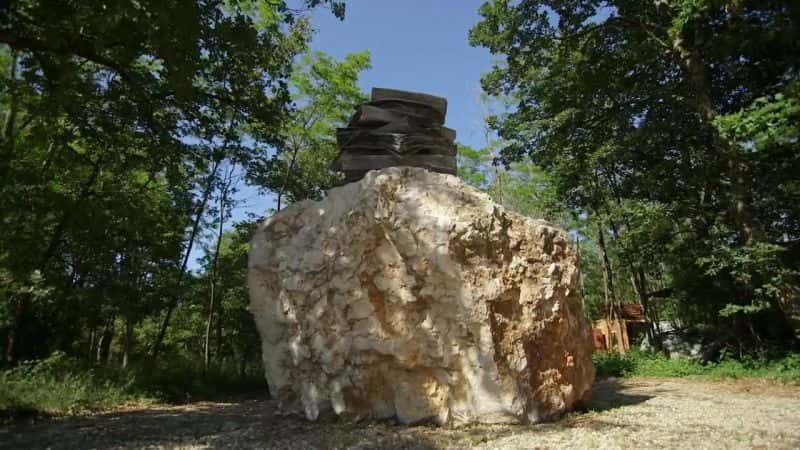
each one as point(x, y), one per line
point(663, 135)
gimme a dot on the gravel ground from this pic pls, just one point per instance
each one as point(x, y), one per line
point(629, 413)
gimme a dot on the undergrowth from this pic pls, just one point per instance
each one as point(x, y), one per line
point(645, 364)
point(61, 385)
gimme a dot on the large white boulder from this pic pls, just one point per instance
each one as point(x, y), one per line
point(411, 295)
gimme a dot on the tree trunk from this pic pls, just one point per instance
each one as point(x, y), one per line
point(612, 313)
point(639, 282)
point(104, 344)
point(580, 273)
point(99, 348)
point(219, 343)
point(637, 275)
point(108, 352)
point(92, 339)
point(9, 136)
point(738, 170)
point(192, 236)
point(209, 321)
point(14, 332)
point(23, 302)
point(127, 343)
point(289, 171)
point(214, 271)
point(58, 233)
point(243, 364)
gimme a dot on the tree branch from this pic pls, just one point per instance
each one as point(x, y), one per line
point(81, 48)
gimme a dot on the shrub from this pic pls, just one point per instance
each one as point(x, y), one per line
point(61, 384)
point(613, 364)
point(185, 381)
point(646, 364)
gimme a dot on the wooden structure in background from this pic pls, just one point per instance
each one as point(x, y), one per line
point(630, 324)
point(396, 128)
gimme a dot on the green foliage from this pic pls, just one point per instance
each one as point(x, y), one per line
point(613, 364)
point(325, 92)
point(758, 267)
point(522, 187)
point(473, 165)
point(124, 130)
point(665, 136)
point(115, 122)
point(187, 380)
point(526, 189)
point(671, 129)
point(634, 363)
point(61, 384)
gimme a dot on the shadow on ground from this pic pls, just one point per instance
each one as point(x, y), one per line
point(610, 393)
point(245, 424)
point(252, 423)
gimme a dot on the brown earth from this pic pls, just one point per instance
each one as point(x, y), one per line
point(627, 413)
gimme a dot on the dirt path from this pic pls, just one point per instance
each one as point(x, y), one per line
point(631, 413)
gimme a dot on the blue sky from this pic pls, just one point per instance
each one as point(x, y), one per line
point(417, 45)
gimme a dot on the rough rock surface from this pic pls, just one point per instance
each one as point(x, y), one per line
point(410, 295)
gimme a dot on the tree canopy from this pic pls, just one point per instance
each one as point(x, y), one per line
point(674, 125)
point(663, 135)
point(124, 125)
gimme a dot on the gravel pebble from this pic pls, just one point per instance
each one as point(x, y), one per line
point(624, 413)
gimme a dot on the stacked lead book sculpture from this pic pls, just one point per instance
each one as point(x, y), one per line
point(396, 128)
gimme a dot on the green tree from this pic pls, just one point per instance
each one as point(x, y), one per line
point(235, 334)
point(118, 120)
point(325, 92)
point(473, 165)
point(673, 123)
